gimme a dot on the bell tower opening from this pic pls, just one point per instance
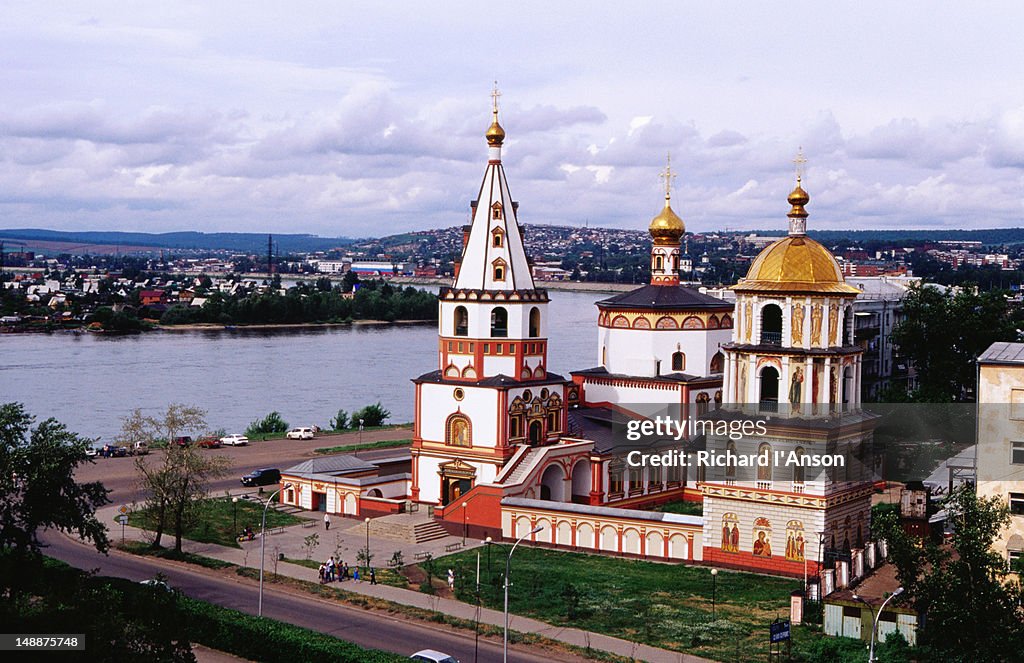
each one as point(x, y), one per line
point(771, 325)
point(768, 399)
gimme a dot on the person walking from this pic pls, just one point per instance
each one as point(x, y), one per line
point(327, 521)
point(330, 569)
point(323, 573)
point(344, 570)
point(355, 574)
point(373, 577)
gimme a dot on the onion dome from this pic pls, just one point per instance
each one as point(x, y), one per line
point(495, 134)
point(667, 227)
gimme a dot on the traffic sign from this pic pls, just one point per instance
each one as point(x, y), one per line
point(124, 508)
point(123, 520)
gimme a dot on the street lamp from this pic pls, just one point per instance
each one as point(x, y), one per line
point(508, 567)
point(465, 523)
point(360, 431)
point(874, 619)
point(488, 541)
point(366, 555)
point(263, 542)
point(234, 515)
point(714, 593)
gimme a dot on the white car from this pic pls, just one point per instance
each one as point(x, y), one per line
point(300, 434)
point(234, 440)
point(433, 656)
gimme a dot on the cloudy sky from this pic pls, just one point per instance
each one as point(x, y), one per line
point(361, 119)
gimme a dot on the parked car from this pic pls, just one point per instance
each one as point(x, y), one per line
point(92, 452)
point(139, 449)
point(264, 477)
point(300, 434)
point(208, 442)
point(183, 440)
point(156, 583)
point(234, 440)
point(113, 451)
point(433, 656)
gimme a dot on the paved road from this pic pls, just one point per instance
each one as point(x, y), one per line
point(365, 628)
point(120, 476)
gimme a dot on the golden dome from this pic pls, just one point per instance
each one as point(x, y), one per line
point(667, 227)
point(495, 134)
point(798, 198)
point(795, 264)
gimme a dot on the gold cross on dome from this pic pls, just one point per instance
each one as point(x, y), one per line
point(494, 97)
point(799, 161)
point(668, 176)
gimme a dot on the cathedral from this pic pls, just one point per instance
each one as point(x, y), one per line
point(503, 447)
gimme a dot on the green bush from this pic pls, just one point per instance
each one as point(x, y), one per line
point(371, 415)
point(341, 421)
point(272, 423)
point(258, 639)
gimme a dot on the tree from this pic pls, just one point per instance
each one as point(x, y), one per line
point(38, 490)
point(942, 334)
point(969, 605)
point(176, 481)
point(272, 423)
point(371, 415)
point(340, 421)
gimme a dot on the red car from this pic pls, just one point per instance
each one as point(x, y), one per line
point(183, 440)
point(209, 442)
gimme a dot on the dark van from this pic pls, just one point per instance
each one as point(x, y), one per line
point(264, 477)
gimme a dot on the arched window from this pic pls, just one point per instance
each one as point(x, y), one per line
point(798, 468)
point(730, 467)
point(534, 322)
point(461, 321)
point(499, 272)
point(659, 263)
point(615, 469)
point(771, 325)
point(459, 431)
point(678, 361)
point(703, 403)
point(717, 363)
point(769, 397)
point(499, 322)
point(536, 432)
point(497, 238)
point(496, 211)
point(764, 467)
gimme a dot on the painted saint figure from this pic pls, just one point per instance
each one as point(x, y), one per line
point(762, 546)
point(816, 314)
point(798, 326)
point(796, 386)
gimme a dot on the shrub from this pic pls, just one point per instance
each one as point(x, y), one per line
point(340, 421)
point(272, 423)
point(371, 415)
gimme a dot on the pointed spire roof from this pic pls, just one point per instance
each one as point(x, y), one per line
point(494, 257)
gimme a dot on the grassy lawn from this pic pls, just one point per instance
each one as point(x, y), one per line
point(383, 444)
point(142, 548)
point(682, 507)
point(665, 605)
point(217, 521)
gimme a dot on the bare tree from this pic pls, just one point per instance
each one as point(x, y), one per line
point(180, 479)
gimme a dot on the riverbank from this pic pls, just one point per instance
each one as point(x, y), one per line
point(213, 326)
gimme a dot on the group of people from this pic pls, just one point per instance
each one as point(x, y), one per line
point(331, 571)
point(247, 534)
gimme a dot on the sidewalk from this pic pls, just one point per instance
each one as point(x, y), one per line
point(290, 543)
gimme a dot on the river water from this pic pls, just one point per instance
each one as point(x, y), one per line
point(91, 381)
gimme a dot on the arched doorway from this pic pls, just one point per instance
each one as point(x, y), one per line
point(581, 481)
point(536, 433)
point(769, 394)
point(552, 484)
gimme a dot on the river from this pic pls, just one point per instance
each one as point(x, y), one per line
point(90, 381)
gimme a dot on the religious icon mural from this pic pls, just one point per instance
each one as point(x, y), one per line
point(730, 533)
point(816, 314)
point(796, 386)
point(762, 537)
point(797, 331)
point(795, 541)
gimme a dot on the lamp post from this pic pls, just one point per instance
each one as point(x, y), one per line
point(234, 515)
point(465, 523)
point(714, 594)
point(263, 543)
point(508, 567)
point(360, 431)
point(366, 555)
point(874, 619)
